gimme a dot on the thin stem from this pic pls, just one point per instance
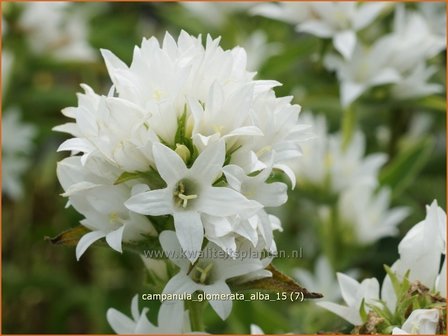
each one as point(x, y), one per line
point(348, 126)
point(196, 315)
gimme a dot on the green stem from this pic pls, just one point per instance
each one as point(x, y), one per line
point(328, 235)
point(348, 126)
point(196, 315)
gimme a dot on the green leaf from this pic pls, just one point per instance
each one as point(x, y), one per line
point(433, 102)
point(278, 283)
point(394, 279)
point(362, 311)
point(404, 169)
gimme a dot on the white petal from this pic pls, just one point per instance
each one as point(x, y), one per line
point(155, 202)
point(170, 318)
point(115, 238)
point(134, 308)
point(213, 199)
point(246, 130)
point(234, 176)
point(272, 194)
point(112, 61)
point(288, 171)
point(386, 76)
point(348, 314)
point(229, 268)
point(180, 284)
point(221, 307)
point(349, 287)
point(143, 326)
point(87, 240)
point(367, 12)
point(398, 331)
point(422, 321)
point(173, 250)
point(245, 229)
point(345, 42)
point(77, 145)
point(209, 163)
point(190, 232)
point(318, 28)
point(256, 330)
point(350, 91)
point(217, 226)
point(119, 322)
point(169, 165)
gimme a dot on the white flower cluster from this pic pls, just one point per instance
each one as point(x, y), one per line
point(185, 132)
point(17, 144)
point(57, 29)
point(339, 21)
point(351, 176)
point(399, 57)
point(421, 252)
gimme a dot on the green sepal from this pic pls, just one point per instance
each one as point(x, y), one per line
point(150, 177)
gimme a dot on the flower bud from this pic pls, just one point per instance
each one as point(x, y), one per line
point(183, 152)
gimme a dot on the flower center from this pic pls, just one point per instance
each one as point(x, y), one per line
point(184, 193)
point(202, 274)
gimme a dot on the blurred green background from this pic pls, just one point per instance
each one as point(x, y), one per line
point(45, 290)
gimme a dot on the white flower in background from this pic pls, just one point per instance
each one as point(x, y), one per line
point(190, 194)
point(57, 29)
point(17, 144)
point(435, 17)
point(184, 111)
point(92, 193)
point(259, 49)
point(215, 14)
point(415, 84)
point(421, 321)
point(368, 67)
point(326, 164)
point(367, 213)
point(323, 278)
point(397, 58)
point(289, 12)
point(413, 39)
point(339, 21)
point(423, 247)
point(172, 319)
point(209, 273)
point(256, 330)
point(421, 251)
point(353, 293)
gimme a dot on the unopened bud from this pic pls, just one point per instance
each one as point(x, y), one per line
point(183, 152)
